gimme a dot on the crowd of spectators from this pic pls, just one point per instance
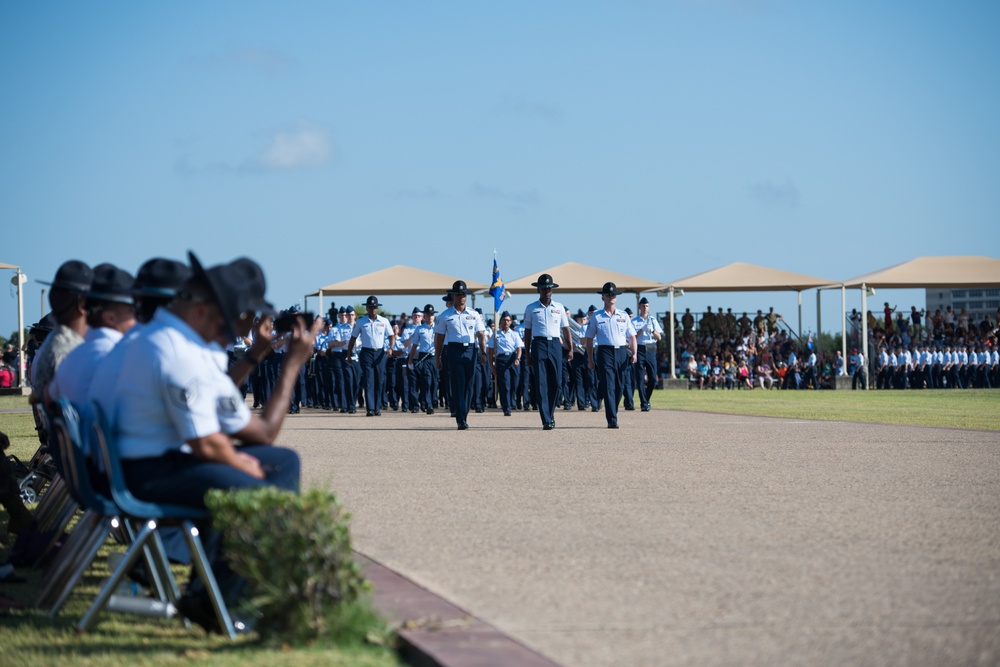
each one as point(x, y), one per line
point(908, 349)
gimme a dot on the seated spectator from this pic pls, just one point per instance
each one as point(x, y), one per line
point(68, 300)
point(19, 518)
point(177, 413)
point(764, 377)
point(718, 378)
point(743, 379)
point(781, 371)
point(704, 372)
point(729, 368)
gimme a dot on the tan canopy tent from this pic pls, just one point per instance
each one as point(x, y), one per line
point(743, 277)
point(924, 272)
point(573, 277)
point(393, 280)
point(740, 277)
point(19, 279)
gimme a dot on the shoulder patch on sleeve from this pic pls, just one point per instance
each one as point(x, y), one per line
point(182, 397)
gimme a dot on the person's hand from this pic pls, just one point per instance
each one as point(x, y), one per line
point(569, 357)
point(300, 344)
point(249, 464)
point(437, 362)
point(262, 337)
point(590, 364)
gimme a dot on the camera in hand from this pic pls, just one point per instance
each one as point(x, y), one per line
point(287, 320)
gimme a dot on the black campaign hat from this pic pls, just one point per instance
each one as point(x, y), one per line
point(544, 282)
point(610, 289)
point(111, 284)
point(72, 276)
point(47, 323)
point(429, 308)
point(159, 277)
point(227, 283)
point(372, 302)
point(459, 287)
point(255, 284)
point(447, 298)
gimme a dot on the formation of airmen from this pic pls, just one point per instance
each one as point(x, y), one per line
point(426, 361)
point(929, 367)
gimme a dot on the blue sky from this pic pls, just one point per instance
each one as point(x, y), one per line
point(660, 139)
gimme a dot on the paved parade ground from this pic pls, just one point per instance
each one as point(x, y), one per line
point(683, 538)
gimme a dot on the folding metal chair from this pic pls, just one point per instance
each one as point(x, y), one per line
point(151, 517)
point(91, 531)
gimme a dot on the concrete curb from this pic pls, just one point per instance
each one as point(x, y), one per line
point(435, 633)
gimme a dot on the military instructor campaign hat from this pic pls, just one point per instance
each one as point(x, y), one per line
point(111, 284)
point(544, 282)
point(429, 309)
point(459, 287)
point(160, 277)
point(610, 289)
point(234, 288)
point(72, 276)
point(372, 302)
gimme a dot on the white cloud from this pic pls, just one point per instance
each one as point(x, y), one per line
point(304, 145)
point(775, 194)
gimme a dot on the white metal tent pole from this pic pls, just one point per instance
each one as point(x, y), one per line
point(819, 324)
point(864, 331)
point(20, 327)
point(673, 361)
point(800, 316)
point(843, 323)
point(320, 311)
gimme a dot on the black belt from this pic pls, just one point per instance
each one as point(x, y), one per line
point(545, 338)
point(459, 344)
point(613, 347)
point(420, 356)
point(502, 356)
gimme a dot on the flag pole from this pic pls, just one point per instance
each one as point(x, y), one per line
point(496, 389)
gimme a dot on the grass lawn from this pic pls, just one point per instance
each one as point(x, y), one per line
point(29, 639)
point(972, 408)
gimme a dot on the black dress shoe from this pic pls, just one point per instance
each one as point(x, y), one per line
point(463, 426)
point(430, 411)
point(378, 413)
point(594, 409)
point(613, 425)
point(413, 410)
point(631, 409)
point(343, 411)
point(369, 414)
point(506, 413)
point(645, 408)
point(548, 427)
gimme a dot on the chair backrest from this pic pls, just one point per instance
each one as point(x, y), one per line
point(68, 448)
point(107, 449)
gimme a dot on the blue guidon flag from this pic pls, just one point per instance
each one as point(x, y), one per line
point(496, 287)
